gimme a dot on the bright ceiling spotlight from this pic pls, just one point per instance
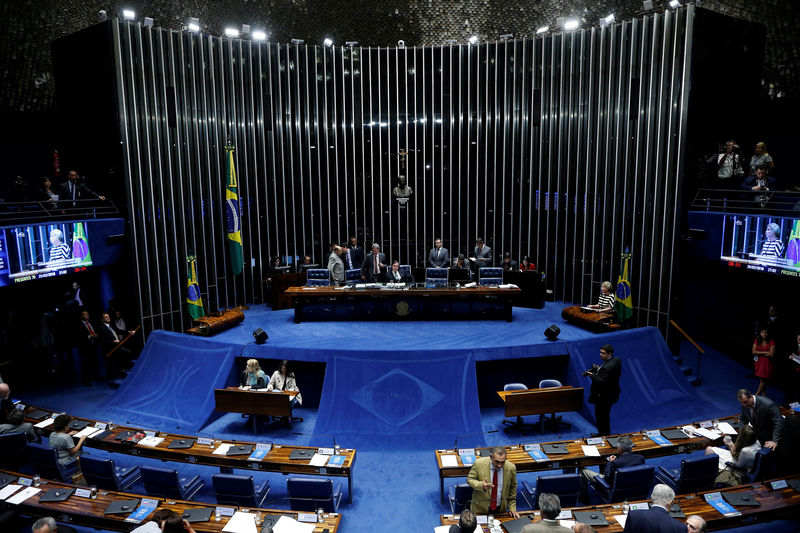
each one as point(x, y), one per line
point(193, 25)
point(542, 29)
point(674, 4)
point(231, 32)
point(259, 35)
point(328, 41)
point(571, 24)
point(128, 14)
point(473, 39)
point(607, 21)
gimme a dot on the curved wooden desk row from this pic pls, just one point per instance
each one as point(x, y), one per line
point(774, 504)
point(87, 512)
point(277, 460)
point(575, 457)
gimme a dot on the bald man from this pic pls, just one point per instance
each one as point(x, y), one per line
point(6, 405)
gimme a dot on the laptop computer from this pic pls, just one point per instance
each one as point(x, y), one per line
point(245, 449)
point(56, 495)
point(741, 498)
point(181, 444)
point(556, 449)
point(122, 506)
point(198, 515)
point(301, 454)
point(592, 518)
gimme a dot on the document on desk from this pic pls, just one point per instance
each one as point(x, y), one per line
point(567, 523)
point(723, 454)
point(711, 434)
point(621, 519)
point(23, 495)
point(44, 423)
point(241, 523)
point(318, 460)
point(8, 490)
point(449, 460)
point(88, 431)
point(441, 529)
point(222, 449)
point(286, 524)
point(726, 428)
point(590, 451)
point(151, 441)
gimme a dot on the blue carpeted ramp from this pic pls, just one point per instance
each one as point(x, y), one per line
point(654, 391)
point(172, 384)
point(420, 395)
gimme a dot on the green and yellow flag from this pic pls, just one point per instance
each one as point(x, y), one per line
point(232, 212)
point(80, 247)
point(624, 304)
point(193, 300)
point(793, 246)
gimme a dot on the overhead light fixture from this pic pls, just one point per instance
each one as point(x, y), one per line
point(571, 24)
point(542, 29)
point(506, 36)
point(297, 41)
point(328, 41)
point(674, 4)
point(351, 44)
point(148, 22)
point(245, 29)
point(194, 24)
point(401, 43)
point(607, 21)
point(647, 5)
point(231, 32)
point(451, 42)
point(128, 14)
point(259, 35)
point(473, 39)
point(102, 16)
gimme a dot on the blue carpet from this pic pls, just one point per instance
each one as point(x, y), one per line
point(414, 392)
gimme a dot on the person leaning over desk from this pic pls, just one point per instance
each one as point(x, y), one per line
point(252, 376)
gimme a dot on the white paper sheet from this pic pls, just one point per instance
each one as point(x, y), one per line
point(711, 434)
point(449, 460)
point(88, 431)
point(286, 524)
point(724, 456)
point(151, 441)
point(8, 490)
point(318, 460)
point(44, 423)
point(726, 428)
point(590, 451)
point(441, 529)
point(23, 495)
point(567, 523)
point(241, 522)
point(621, 519)
point(222, 449)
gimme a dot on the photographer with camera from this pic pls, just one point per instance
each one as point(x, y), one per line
point(729, 164)
point(605, 388)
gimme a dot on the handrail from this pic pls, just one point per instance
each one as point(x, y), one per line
point(745, 201)
point(123, 341)
point(700, 351)
point(44, 211)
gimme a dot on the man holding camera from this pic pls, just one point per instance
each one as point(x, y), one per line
point(605, 388)
point(729, 165)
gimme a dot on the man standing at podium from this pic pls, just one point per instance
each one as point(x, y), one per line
point(605, 388)
point(494, 484)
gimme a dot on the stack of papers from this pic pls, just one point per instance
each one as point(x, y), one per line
point(449, 460)
point(286, 524)
point(241, 523)
point(23, 495)
point(319, 460)
point(151, 441)
point(222, 449)
point(88, 431)
point(8, 490)
point(590, 451)
point(44, 423)
point(726, 428)
point(711, 434)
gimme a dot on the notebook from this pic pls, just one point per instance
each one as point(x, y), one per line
point(554, 449)
point(298, 455)
point(741, 498)
point(198, 515)
point(56, 495)
point(181, 444)
point(245, 449)
point(592, 518)
point(122, 506)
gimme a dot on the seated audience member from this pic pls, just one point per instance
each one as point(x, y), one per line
point(395, 276)
point(606, 302)
point(302, 267)
point(156, 525)
point(6, 405)
point(742, 454)
point(62, 441)
point(695, 524)
point(253, 377)
point(527, 264)
point(761, 158)
point(48, 524)
point(625, 457)
point(656, 519)
point(759, 181)
point(550, 507)
point(284, 380)
point(467, 522)
point(176, 524)
point(508, 263)
point(763, 414)
point(16, 422)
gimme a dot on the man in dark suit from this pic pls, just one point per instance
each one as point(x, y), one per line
point(73, 190)
point(605, 388)
point(656, 519)
point(482, 257)
point(87, 339)
point(357, 253)
point(374, 265)
point(625, 457)
point(438, 257)
point(763, 414)
point(394, 275)
point(350, 259)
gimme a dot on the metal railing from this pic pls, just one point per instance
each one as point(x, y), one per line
point(31, 212)
point(744, 201)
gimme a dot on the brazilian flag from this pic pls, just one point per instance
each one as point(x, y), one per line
point(793, 246)
point(80, 247)
point(232, 212)
point(193, 300)
point(624, 305)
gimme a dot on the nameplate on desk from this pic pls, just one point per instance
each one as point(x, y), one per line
point(100, 425)
point(307, 517)
point(225, 511)
point(597, 441)
point(642, 506)
point(25, 481)
point(83, 493)
point(779, 484)
point(325, 451)
point(706, 424)
point(150, 433)
point(795, 406)
point(204, 440)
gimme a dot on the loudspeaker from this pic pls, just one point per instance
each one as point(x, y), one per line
point(552, 332)
point(261, 336)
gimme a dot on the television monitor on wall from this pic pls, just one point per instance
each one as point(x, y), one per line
point(762, 243)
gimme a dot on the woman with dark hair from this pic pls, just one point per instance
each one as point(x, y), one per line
point(176, 524)
point(156, 524)
point(763, 357)
point(527, 264)
point(283, 380)
point(62, 441)
point(741, 453)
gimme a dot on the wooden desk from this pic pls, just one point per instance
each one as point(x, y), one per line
point(89, 513)
point(277, 460)
point(254, 402)
point(542, 401)
point(775, 504)
point(281, 282)
point(593, 321)
point(331, 303)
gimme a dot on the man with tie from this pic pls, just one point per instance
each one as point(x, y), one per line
point(605, 388)
point(87, 348)
point(439, 257)
point(763, 414)
point(357, 252)
point(109, 339)
point(482, 257)
point(494, 484)
point(72, 190)
point(374, 265)
point(395, 276)
point(349, 258)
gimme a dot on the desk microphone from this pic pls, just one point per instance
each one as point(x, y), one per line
point(472, 435)
point(316, 435)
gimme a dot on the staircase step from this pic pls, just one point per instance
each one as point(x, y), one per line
point(686, 369)
point(695, 381)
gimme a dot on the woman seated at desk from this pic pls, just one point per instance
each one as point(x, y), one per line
point(284, 380)
point(606, 302)
point(252, 376)
point(742, 454)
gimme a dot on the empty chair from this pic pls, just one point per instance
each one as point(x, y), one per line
point(43, 460)
point(352, 276)
point(518, 424)
point(166, 483)
point(553, 420)
point(460, 497)
point(435, 277)
point(630, 483)
point(491, 275)
point(232, 489)
point(13, 450)
point(566, 486)
point(405, 272)
point(103, 473)
point(318, 277)
point(695, 474)
point(309, 494)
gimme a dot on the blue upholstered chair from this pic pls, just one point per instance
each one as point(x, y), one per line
point(553, 420)
point(695, 474)
point(43, 460)
point(318, 277)
point(460, 497)
point(103, 473)
point(436, 277)
point(518, 424)
point(352, 276)
point(566, 486)
point(13, 450)
point(232, 489)
point(491, 275)
point(309, 494)
point(630, 483)
point(166, 483)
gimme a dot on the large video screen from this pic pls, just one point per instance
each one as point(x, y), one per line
point(43, 250)
point(762, 243)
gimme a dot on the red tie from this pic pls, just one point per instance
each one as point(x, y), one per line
point(492, 505)
point(89, 327)
point(376, 262)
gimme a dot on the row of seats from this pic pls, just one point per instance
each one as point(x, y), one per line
point(696, 474)
point(305, 493)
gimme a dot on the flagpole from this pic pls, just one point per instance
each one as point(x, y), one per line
point(234, 231)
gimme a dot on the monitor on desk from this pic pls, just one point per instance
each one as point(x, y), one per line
point(459, 275)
